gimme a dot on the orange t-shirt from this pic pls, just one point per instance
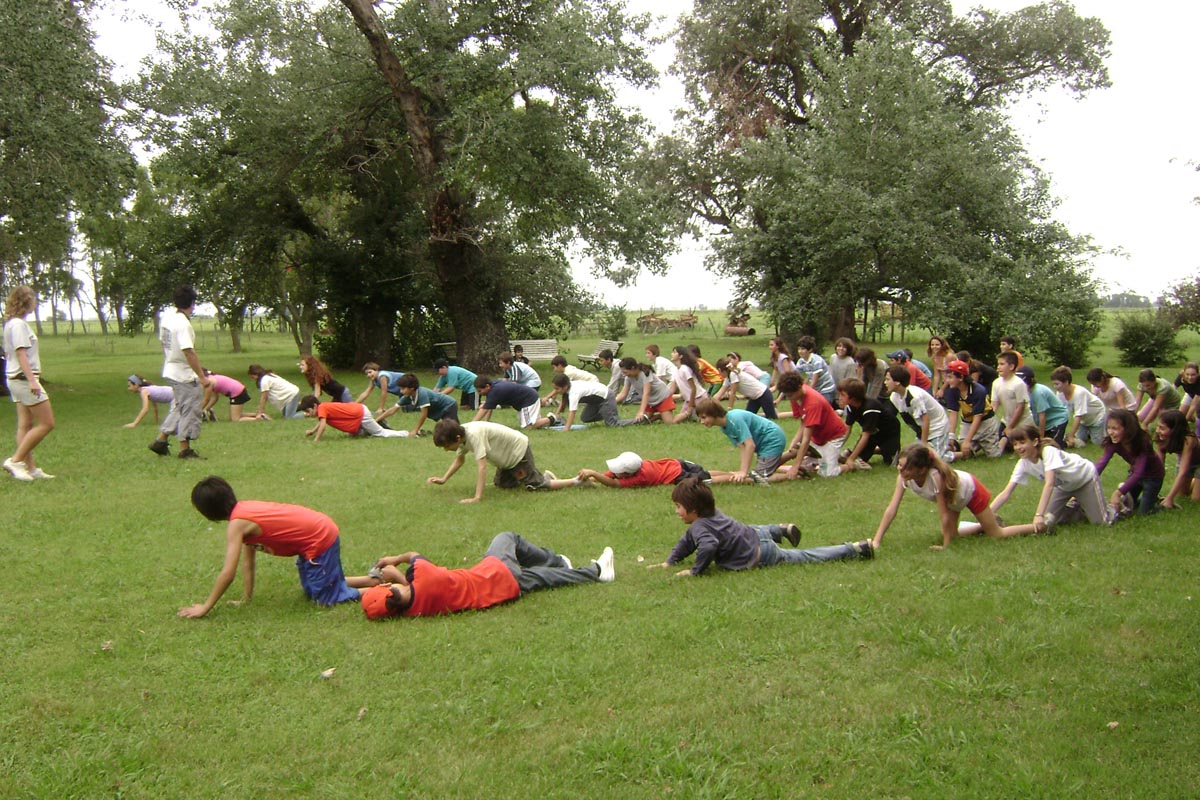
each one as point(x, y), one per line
point(709, 373)
point(658, 472)
point(287, 530)
point(346, 417)
point(437, 590)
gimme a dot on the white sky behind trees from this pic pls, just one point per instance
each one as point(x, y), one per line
point(1122, 160)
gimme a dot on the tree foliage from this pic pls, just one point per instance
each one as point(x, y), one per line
point(858, 150)
point(60, 154)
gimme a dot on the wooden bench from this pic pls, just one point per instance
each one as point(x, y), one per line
point(536, 349)
point(594, 358)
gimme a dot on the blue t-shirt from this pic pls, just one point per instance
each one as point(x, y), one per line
point(392, 378)
point(437, 402)
point(510, 395)
point(816, 366)
point(459, 378)
point(1041, 398)
point(769, 439)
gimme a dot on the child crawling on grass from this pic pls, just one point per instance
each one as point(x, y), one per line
point(629, 470)
point(716, 538)
point(926, 475)
point(278, 529)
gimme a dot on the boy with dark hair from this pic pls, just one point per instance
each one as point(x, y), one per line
point(431, 405)
point(973, 424)
point(451, 378)
point(981, 373)
point(716, 538)
point(814, 368)
point(511, 568)
point(599, 403)
point(750, 434)
point(185, 376)
point(506, 394)
point(878, 422)
point(280, 530)
point(505, 448)
point(575, 374)
point(1008, 344)
point(1088, 411)
point(820, 428)
point(1050, 414)
point(920, 410)
point(518, 371)
point(351, 418)
point(915, 376)
point(1010, 397)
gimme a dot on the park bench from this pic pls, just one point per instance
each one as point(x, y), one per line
point(536, 349)
point(593, 359)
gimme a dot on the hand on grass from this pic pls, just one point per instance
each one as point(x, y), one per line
point(683, 573)
point(937, 547)
point(130, 425)
point(657, 566)
point(436, 479)
point(192, 612)
point(469, 500)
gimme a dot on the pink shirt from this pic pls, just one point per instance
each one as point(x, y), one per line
point(226, 385)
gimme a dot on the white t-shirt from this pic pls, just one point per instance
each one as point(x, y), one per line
point(1007, 394)
point(746, 385)
point(583, 389)
point(18, 335)
point(577, 374)
point(1087, 406)
point(664, 369)
point(683, 379)
point(933, 487)
point(279, 391)
point(1071, 472)
point(750, 368)
point(176, 335)
point(918, 402)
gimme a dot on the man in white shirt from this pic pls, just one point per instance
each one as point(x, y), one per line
point(185, 376)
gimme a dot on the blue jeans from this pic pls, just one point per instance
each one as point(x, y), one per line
point(1145, 494)
point(771, 554)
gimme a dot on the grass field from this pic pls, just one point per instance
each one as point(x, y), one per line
point(1049, 667)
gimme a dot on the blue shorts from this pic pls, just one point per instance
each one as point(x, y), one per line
point(322, 578)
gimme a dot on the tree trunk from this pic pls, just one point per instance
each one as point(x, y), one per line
point(374, 333)
point(477, 316)
point(841, 323)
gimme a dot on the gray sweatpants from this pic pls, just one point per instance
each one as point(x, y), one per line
point(184, 419)
point(538, 567)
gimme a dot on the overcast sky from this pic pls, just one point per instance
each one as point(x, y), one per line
point(1120, 160)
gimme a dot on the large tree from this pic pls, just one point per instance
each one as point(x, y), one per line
point(60, 155)
point(517, 142)
point(858, 150)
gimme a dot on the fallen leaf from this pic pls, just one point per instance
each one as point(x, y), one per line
point(362, 712)
point(1113, 725)
point(643, 558)
point(329, 672)
point(106, 646)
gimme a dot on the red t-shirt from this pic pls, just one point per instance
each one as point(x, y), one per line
point(346, 417)
point(653, 473)
point(287, 530)
point(817, 414)
point(916, 377)
point(437, 590)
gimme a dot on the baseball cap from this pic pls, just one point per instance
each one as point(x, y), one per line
point(959, 367)
point(625, 463)
point(1025, 373)
point(374, 601)
point(899, 355)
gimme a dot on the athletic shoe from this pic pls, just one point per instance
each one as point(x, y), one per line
point(1049, 519)
point(865, 549)
point(566, 562)
point(861, 465)
point(160, 447)
point(792, 534)
point(376, 573)
point(18, 469)
point(188, 452)
point(554, 419)
point(40, 474)
point(607, 571)
point(759, 479)
point(548, 475)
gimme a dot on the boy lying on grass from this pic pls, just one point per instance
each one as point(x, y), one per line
point(629, 470)
point(351, 418)
point(510, 568)
point(716, 538)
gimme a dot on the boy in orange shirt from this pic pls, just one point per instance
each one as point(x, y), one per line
point(276, 528)
point(351, 418)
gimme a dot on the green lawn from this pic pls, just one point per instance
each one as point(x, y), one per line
point(1057, 666)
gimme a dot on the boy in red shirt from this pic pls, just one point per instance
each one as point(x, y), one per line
point(820, 427)
point(629, 470)
point(351, 418)
point(511, 567)
point(278, 529)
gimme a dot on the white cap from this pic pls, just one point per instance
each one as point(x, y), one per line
point(625, 464)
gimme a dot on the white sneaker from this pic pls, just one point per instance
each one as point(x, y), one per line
point(607, 571)
point(861, 465)
point(548, 475)
point(566, 561)
point(40, 474)
point(18, 469)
